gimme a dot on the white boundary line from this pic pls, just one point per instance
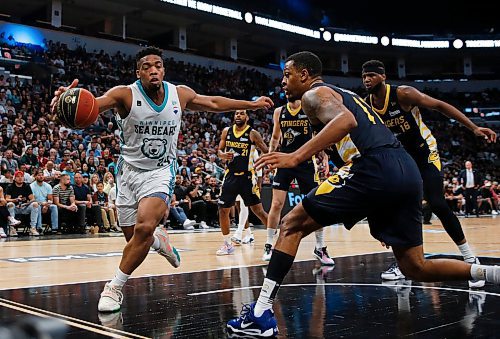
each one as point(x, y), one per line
point(176, 273)
point(347, 285)
point(75, 322)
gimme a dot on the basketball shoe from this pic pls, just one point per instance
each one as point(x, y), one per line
point(323, 256)
point(166, 250)
point(393, 273)
point(111, 299)
point(247, 323)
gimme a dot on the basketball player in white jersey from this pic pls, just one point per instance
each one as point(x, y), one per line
point(149, 118)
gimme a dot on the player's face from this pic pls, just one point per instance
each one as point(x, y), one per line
point(151, 72)
point(373, 81)
point(293, 82)
point(240, 118)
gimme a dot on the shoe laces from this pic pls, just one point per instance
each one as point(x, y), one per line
point(394, 266)
point(245, 312)
point(113, 293)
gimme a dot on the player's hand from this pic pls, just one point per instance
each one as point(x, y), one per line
point(486, 133)
point(277, 160)
point(58, 93)
point(226, 155)
point(263, 102)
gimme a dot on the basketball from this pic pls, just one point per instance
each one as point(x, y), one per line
point(77, 108)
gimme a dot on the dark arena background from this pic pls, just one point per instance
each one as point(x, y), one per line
point(52, 271)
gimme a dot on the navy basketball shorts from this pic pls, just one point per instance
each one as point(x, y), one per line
point(242, 185)
point(384, 186)
point(304, 173)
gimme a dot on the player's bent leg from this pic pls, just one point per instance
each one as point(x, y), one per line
point(128, 231)
point(414, 266)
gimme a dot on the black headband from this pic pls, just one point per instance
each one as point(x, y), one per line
point(374, 69)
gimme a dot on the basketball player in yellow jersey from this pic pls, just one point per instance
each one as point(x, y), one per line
point(149, 114)
point(291, 130)
point(237, 147)
point(398, 106)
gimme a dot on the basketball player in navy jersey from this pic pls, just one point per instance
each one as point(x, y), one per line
point(398, 106)
point(236, 147)
point(149, 117)
point(291, 130)
point(382, 183)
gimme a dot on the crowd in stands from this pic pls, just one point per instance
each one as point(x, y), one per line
point(73, 170)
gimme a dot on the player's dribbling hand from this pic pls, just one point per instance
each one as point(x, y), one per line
point(486, 133)
point(263, 102)
point(276, 160)
point(58, 93)
point(227, 156)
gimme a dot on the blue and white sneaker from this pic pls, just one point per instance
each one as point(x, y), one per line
point(264, 326)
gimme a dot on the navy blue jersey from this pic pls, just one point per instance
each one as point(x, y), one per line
point(295, 129)
point(240, 144)
point(408, 127)
point(370, 134)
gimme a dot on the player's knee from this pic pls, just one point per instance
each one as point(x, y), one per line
point(413, 269)
point(289, 227)
point(143, 231)
point(277, 204)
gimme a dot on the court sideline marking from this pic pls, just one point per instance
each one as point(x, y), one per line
point(347, 285)
point(75, 322)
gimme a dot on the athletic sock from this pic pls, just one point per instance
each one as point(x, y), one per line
point(320, 239)
point(227, 238)
point(120, 279)
point(270, 236)
point(279, 265)
point(156, 242)
point(466, 251)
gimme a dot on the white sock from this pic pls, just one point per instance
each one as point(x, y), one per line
point(242, 217)
point(320, 239)
point(120, 279)
point(484, 272)
point(265, 302)
point(156, 243)
point(466, 251)
point(227, 238)
point(270, 236)
point(249, 231)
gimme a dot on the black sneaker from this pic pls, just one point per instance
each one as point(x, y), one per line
point(268, 251)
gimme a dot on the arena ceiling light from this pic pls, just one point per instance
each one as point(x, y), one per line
point(457, 43)
point(327, 36)
point(385, 41)
point(208, 8)
point(287, 27)
point(362, 39)
point(482, 43)
point(421, 43)
point(248, 17)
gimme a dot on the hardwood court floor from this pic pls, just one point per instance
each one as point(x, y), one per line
point(62, 278)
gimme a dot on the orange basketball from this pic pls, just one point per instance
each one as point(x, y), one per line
point(77, 108)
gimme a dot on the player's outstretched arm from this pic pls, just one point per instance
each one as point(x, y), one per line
point(321, 104)
point(113, 98)
point(196, 102)
point(411, 96)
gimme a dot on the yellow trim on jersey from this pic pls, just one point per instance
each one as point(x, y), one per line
point(293, 112)
point(386, 102)
point(239, 134)
point(425, 132)
point(335, 181)
point(347, 149)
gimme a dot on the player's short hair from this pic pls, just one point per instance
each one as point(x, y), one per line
point(147, 51)
point(307, 60)
point(376, 66)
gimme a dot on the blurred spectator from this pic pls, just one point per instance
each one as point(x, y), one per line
point(471, 180)
point(20, 200)
point(72, 217)
point(43, 195)
point(84, 201)
point(8, 161)
point(108, 216)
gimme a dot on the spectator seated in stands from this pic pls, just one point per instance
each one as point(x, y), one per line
point(84, 201)
point(70, 216)
point(20, 200)
point(198, 209)
point(43, 195)
point(7, 222)
point(108, 216)
point(178, 214)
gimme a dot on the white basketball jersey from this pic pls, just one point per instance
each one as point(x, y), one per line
point(148, 135)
